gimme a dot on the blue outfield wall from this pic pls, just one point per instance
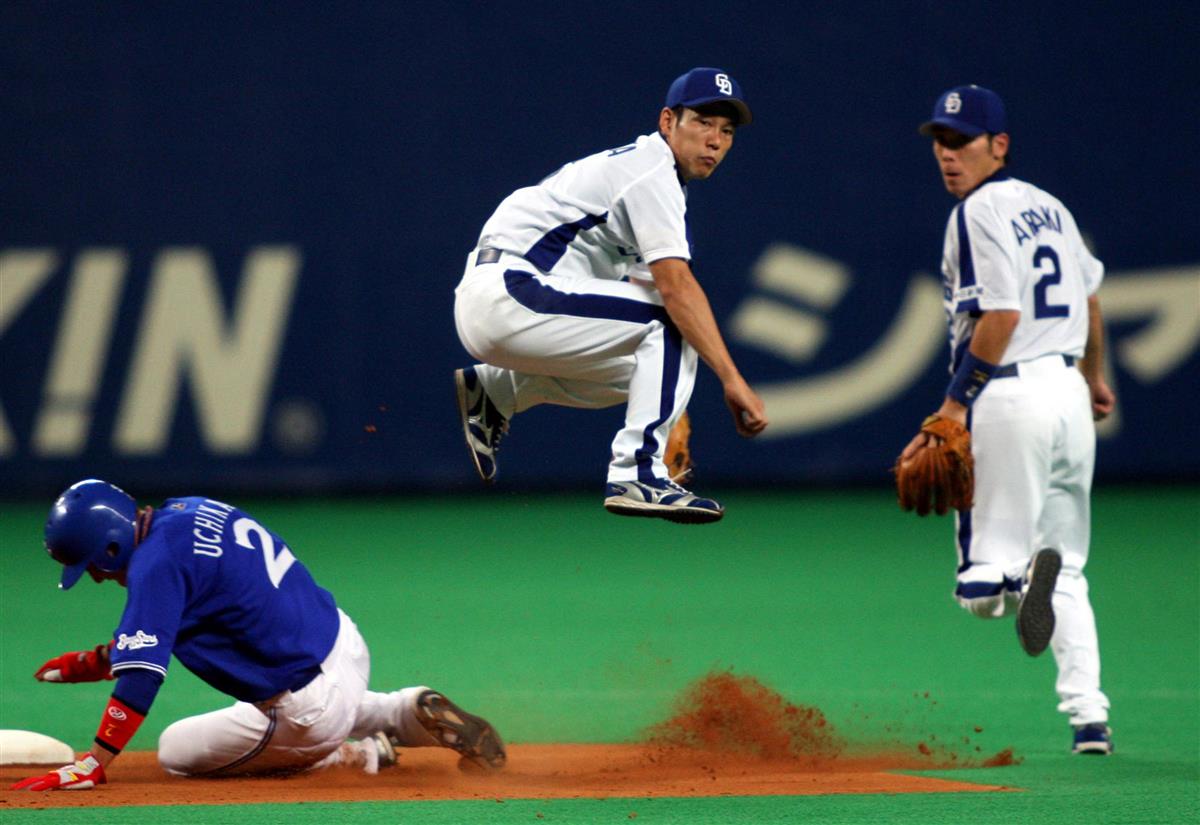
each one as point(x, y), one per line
point(230, 233)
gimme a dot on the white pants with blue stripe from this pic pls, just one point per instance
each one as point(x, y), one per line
point(1034, 444)
point(588, 343)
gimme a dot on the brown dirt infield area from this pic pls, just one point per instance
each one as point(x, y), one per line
point(730, 736)
point(533, 772)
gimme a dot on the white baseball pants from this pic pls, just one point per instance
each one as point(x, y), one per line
point(296, 730)
point(578, 342)
point(1035, 445)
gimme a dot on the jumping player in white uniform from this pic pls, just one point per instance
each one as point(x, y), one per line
point(580, 293)
point(1028, 380)
point(225, 595)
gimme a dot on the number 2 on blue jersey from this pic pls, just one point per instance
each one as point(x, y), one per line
point(1041, 307)
point(277, 565)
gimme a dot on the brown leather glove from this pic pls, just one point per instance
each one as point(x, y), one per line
point(941, 474)
point(677, 456)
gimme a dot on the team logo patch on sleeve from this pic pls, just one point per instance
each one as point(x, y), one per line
point(136, 641)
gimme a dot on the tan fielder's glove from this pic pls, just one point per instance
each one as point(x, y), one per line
point(941, 474)
point(677, 456)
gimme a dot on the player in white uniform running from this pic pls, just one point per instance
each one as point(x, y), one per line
point(1028, 380)
point(224, 595)
point(580, 293)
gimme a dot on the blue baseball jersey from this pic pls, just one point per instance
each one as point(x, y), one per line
point(227, 597)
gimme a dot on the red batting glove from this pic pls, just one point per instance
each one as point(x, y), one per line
point(78, 666)
point(85, 773)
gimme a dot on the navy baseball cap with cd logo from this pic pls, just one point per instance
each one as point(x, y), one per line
point(971, 110)
point(704, 85)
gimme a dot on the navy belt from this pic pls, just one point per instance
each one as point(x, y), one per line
point(1010, 370)
point(488, 255)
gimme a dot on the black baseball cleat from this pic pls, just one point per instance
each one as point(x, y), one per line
point(471, 736)
point(1035, 614)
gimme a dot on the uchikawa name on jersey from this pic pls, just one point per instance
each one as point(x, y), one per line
point(210, 516)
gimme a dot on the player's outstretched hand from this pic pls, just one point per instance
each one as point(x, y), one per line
point(77, 666)
point(83, 774)
point(749, 412)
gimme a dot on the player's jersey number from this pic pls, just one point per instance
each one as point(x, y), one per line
point(1045, 260)
point(277, 564)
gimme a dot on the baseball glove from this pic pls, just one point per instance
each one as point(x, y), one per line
point(677, 456)
point(941, 474)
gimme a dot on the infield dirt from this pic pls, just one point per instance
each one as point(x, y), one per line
point(729, 736)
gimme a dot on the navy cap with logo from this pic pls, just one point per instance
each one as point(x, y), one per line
point(971, 110)
point(704, 85)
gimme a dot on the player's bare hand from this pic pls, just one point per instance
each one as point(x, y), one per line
point(77, 666)
point(950, 409)
point(85, 773)
point(1104, 400)
point(749, 412)
point(919, 441)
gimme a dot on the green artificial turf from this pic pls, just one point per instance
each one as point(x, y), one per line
point(562, 623)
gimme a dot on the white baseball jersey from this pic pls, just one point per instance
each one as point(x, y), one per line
point(567, 312)
point(606, 216)
point(1010, 245)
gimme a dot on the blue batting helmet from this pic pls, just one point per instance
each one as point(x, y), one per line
point(92, 522)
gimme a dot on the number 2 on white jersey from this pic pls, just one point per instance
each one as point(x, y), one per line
point(1042, 308)
point(277, 565)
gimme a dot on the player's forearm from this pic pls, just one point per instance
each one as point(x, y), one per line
point(688, 308)
point(992, 334)
point(131, 698)
point(988, 345)
point(1092, 363)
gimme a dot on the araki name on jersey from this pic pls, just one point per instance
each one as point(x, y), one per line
point(1035, 221)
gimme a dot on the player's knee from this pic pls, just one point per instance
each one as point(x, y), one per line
point(177, 750)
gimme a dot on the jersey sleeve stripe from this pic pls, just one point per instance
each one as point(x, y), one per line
point(140, 666)
point(966, 264)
